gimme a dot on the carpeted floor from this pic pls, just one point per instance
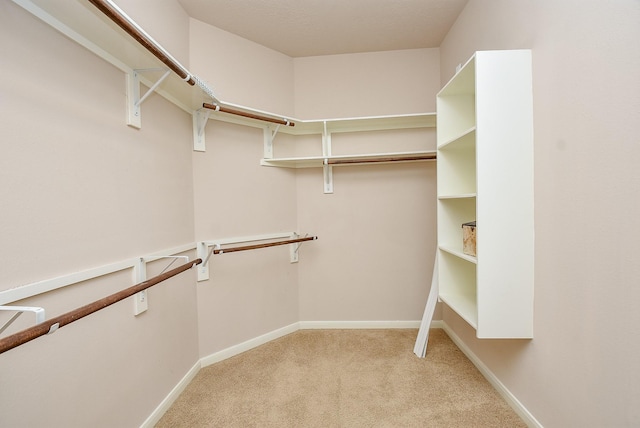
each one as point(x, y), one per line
point(343, 378)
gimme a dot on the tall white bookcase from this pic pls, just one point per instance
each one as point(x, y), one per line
point(485, 173)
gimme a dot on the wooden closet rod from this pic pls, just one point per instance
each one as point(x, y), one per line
point(381, 159)
point(249, 115)
point(268, 244)
point(51, 325)
point(121, 20)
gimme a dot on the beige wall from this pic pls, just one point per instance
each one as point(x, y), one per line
point(249, 293)
point(374, 258)
point(240, 71)
point(367, 84)
point(80, 189)
point(581, 369)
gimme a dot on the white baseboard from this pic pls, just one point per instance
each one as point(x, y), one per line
point(247, 345)
point(155, 416)
point(511, 399)
point(311, 325)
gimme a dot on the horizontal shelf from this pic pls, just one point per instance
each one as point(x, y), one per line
point(359, 124)
point(89, 27)
point(458, 196)
point(467, 142)
point(458, 253)
point(343, 160)
point(463, 82)
point(462, 305)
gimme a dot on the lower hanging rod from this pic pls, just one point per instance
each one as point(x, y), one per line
point(381, 159)
point(246, 114)
point(55, 323)
point(265, 245)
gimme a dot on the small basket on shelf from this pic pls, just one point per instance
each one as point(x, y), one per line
point(469, 238)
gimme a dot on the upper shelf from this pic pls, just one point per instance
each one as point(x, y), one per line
point(84, 23)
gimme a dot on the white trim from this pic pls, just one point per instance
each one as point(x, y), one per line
point(310, 325)
point(247, 345)
point(35, 288)
point(511, 399)
point(437, 324)
point(162, 408)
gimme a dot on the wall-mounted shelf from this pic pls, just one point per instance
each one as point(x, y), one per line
point(360, 159)
point(87, 25)
point(327, 127)
point(485, 174)
point(103, 28)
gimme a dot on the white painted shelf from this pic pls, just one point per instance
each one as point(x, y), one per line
point(345, 160)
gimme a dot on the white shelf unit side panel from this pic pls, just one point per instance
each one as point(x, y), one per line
point(505, 230)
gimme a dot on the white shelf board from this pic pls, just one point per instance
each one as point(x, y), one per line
point(458, 253)
point(450, 142)
point(85, 24)
point(359, 159)
point(460, 196)
point(365, 123)
point(464, 306)
point(463, 82)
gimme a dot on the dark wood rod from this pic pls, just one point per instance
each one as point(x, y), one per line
point(268, 244)
point(145, 41)
point(41, 329)
point(384, 159)
point(249, 115)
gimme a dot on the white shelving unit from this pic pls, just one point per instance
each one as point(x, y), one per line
point(485, 174)
point(326, 128)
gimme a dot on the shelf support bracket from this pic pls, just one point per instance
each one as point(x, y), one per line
point(39, 312)
point(141, 301)
point(134, 100)
point(269, 136)
point(327, 170)
point(200, 118)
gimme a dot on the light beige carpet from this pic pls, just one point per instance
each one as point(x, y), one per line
point(343, 378)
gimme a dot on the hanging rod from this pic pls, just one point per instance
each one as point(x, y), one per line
point(249, 115)
point(381, 159)
point(123, 21)
point(114, 13)
point(265, 245)
point(55, 323)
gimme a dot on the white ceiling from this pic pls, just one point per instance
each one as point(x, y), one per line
point(324, 27)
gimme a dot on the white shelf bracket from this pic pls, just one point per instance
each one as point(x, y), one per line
point(140, 300)
point(269, 136)
point(295, 247)
point(200, 118)
point(39, 312)
point(327, 170)
point(134, 101)
point(203, 254)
